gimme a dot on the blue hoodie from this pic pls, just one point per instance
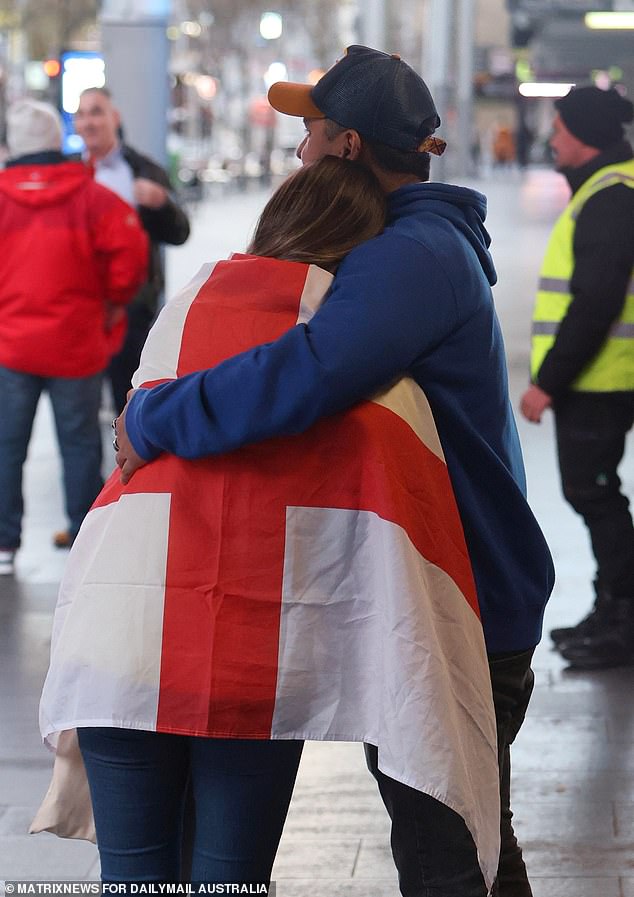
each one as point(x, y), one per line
point(415, 300)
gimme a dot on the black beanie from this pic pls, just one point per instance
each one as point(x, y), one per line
point(595, 117)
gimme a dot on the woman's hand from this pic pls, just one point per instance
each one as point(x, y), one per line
point(126, 457)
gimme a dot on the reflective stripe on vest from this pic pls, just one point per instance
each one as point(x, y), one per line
point(550, 328)
point(612, 369)
point(560, 285)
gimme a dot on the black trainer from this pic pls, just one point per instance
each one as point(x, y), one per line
point(589, 623)
point(610, 644)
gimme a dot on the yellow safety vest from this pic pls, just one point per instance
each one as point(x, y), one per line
point(612, 369)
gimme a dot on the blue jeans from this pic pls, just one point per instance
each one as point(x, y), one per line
point(241, 790)
point(138, 782)
point(75, 404)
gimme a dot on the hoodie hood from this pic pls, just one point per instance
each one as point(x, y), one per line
point(43, 185)
point(463, 208)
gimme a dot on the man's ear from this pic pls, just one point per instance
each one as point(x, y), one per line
point(352, 145)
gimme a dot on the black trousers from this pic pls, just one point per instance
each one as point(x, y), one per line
point(422, 826)
point(125, 363)
point(433, 850)
point(512, 683)
point(591, 430)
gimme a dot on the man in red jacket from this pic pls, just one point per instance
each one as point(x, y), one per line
point(73, 254)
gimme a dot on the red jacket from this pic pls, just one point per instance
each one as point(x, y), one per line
point(70, 249)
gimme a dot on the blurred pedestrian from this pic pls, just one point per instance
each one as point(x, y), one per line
point(503, 145)
point(523, 140)
point(144, 184)
point(72, 252)
point(583, 357)
point(415, 300)
point(209, 620)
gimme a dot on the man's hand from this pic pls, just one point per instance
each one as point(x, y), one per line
point(533, 403)
point(149, 194)
point(126, 458)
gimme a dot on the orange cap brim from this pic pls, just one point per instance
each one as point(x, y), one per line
point(293, 99)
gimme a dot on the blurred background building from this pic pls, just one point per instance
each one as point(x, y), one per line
point(492, 66)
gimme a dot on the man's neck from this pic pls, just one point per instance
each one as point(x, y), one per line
point(98, 155)
point(392, 180)
point(618, 152)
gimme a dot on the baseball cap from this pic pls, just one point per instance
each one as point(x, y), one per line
point(374, 93)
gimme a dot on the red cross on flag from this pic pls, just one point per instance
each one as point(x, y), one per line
point(314, 587)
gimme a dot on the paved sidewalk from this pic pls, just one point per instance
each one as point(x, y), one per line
point(573, 762)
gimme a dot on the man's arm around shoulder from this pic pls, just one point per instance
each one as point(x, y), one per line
point(386, 309)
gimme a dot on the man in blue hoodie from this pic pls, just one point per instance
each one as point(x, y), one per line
point(416, 300)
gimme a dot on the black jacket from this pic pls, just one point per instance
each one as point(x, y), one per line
point(604, 257)
point(168, 224)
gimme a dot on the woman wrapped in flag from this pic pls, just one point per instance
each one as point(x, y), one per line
point(215, 613)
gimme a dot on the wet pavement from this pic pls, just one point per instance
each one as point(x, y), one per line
point(573, 763)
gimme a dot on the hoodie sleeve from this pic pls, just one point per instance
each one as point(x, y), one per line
point(121, 244)
point(371, 330)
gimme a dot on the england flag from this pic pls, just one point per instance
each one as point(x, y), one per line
point(315, 586)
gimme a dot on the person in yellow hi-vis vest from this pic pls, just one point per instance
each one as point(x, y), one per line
point(582, 362)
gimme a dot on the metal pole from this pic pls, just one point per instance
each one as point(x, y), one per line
point(436, 65)
point(466, 63)
point(135, 49)
point(373, 23)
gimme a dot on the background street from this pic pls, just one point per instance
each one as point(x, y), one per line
point(573, 761)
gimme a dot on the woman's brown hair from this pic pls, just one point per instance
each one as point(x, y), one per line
point(321, 212)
